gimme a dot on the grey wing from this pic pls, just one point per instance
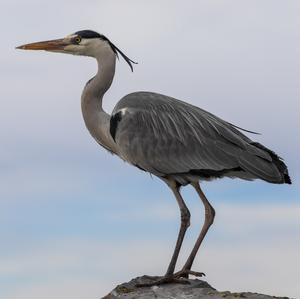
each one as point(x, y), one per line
point(166, 136)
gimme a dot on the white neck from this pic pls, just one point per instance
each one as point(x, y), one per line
point(95, 118)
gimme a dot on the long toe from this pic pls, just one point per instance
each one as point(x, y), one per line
point(164, 280)
point(185, 273)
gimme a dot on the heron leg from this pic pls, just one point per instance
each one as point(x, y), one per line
point(179, 277)
point(209, 219)
point(170, 277)
point(185, 223)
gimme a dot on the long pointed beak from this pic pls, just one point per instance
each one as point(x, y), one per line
point(50, 45)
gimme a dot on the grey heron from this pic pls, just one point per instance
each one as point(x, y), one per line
point(179, 143)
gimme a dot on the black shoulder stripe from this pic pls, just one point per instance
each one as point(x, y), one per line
point(114, 122)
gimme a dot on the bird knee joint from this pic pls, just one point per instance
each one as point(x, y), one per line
point(210, 215)
point(185, 218)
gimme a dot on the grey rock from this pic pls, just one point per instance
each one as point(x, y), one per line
point(195, 289)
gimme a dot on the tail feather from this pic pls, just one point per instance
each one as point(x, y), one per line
point(260, 168)
point(278, 162)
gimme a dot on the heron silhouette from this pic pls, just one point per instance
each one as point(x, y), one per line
point(179, 143)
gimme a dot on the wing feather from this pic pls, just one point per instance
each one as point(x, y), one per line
point(166, 136)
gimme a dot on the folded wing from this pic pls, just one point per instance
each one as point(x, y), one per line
point(166, 136)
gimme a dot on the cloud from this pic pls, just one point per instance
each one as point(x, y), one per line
point(65, 288)
point(233, 257)
point(258, 268)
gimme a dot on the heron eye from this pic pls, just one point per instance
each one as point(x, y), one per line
point(78, 39)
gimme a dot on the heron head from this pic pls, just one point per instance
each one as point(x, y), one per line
point(84, 42)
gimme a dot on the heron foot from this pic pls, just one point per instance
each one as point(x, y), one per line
point(164, 280)
point(185, 273)
point(178, 277)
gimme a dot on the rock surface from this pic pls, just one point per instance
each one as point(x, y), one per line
point(196, 289)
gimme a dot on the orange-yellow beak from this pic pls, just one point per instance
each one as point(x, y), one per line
point(50, 45)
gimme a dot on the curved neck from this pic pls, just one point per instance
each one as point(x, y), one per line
point(95, 88)
point(95, 118)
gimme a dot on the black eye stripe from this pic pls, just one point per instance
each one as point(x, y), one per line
point(88, 34)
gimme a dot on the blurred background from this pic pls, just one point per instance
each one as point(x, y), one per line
point(75, 220)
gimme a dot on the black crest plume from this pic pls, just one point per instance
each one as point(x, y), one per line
point(116, 50)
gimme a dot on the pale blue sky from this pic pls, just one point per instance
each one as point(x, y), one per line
point(75, 220)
